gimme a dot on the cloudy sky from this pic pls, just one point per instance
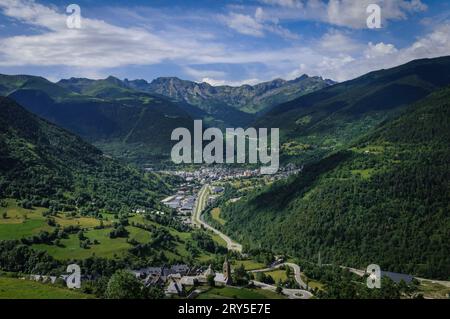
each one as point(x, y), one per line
point(220, 42)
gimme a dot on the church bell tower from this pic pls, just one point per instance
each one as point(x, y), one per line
point(227, 272)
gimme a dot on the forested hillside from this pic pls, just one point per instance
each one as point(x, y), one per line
point(320, 123)
point(382, 200)
point(44, 165)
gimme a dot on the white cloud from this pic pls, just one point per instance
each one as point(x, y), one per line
point(96, 45)
point(284, 3)
point(335, 41)
point(244, 24)
point(382, 56)
point(379, 50)
point(323, 60)
point(215, 82)
point(32, 13)
point(99, 46)
point(257, 25)
point(343, 13)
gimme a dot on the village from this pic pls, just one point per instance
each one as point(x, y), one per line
point(183, 201)
point(177, 279)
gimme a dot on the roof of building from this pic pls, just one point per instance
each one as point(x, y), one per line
point(220, 278)
point(174, 288)
point(188, 280)
point(180, 268)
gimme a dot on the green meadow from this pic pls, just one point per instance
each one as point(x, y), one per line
point(12, 288)
point(277, 275)
point(248, 264)
point(21, 223)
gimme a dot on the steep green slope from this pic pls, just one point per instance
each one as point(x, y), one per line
point(385, 200)
point(329, 119)
point(116, 90)
point(63, 196)
point(270, 94)
point(41, 163)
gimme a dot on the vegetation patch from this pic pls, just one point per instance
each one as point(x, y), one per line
point(215, 214)
point(12, 288)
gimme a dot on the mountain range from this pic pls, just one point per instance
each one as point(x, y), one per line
point(251, 99)
point(133, 120)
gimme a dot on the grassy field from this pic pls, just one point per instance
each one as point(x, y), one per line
point(184, 237)
point(21, 223)
point(215, 214)
point(238, 293)
point(107, 247)
point(277, 275)
point(11, 288)
point(312, 283)
point(218, 239)
point(248, 264)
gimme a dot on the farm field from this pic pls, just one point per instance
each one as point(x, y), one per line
point(12, 288)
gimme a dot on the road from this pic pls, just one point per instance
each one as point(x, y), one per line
point(361, 273)
point(295, 267)
point(291, 293)
point(197, 219)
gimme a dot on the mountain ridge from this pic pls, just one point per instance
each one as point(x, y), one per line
point(324, 121)
point(381, 200)
point(244, 97)
point(222, 106)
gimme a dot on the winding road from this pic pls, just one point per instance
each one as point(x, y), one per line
point(197, 219)
point(295, 267)
point(290, 293)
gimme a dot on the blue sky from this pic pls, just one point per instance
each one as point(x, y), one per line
point(220, 42)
